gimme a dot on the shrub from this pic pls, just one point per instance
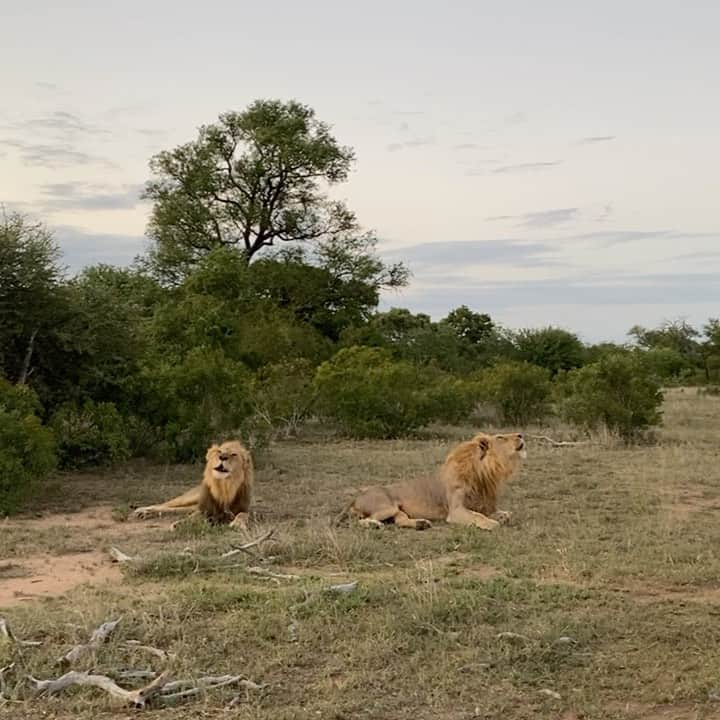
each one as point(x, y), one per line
point(371, 395)
point(200, 399)
point(519, 390)
point(284, 396)
point(27, 449)
point(619, 391)
point(90, 434)
point(551, 348)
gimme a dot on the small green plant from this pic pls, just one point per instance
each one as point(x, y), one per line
point(520, 391)
point(27, 448)
point(619, 391)
point(90, 434)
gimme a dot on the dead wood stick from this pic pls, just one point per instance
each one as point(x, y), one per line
point(201, 684)
point(6, 632)
point(556, 443)
point(263, 572)
point(119, 556)
point(136, 698)
point(99, 636)
point(246, 547)
point(128, 675)
point(157, 652)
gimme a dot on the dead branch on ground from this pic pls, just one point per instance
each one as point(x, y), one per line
point(119, 556)
point(8, 634)
point(99, 636)
point(557, 443)
point(246, 548)
point(157, 652)
point(160, 689)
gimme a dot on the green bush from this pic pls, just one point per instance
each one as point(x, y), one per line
point(284, 396)
point(90, 434)
point(519, 390)
point(619, 391)
point(195, 401)
point(371, 395)
point(27, 449)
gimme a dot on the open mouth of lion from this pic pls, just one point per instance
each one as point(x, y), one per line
point(522, 451)
point(221, 469)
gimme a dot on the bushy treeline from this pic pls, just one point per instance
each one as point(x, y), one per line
point(255, 310)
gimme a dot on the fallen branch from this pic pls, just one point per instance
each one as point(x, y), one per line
point(511, 636)
point(343, 588)
point(157, 652)
point(8, 634)
point(3, 685)
point(262, 572)
point(557, 443)
point(159, 689)
point(136, 698)
point(246, 548)
point(128, 675)
point(119, 556)
point(99, 636)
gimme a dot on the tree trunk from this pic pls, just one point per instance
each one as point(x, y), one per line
point(25, 370)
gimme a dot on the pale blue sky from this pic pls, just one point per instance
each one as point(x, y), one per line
point(547, 162)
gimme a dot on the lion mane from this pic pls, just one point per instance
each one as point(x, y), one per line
point(465, 491)
point(225, 493)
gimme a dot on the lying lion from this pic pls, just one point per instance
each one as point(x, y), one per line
point(225, 492)
point(464, 492)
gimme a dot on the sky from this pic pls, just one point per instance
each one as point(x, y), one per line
point(546, 162)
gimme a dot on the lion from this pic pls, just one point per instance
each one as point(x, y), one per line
point(464, 492)
point(224, 494)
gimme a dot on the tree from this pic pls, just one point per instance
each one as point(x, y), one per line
point(30, 277)
point(251, 180)
point(551, 348)
point(473, 327)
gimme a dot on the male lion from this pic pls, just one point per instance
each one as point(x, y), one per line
point(464, 492)
point(225, 492)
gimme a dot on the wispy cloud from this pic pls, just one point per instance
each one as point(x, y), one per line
point(55, 155)
point(540, 219)
point(52, 87)
point(81, 196)
point(416, 142)
point(524, 167)
point(592, 139)
point(516, 118)
point(58, 124)
point(450, 254)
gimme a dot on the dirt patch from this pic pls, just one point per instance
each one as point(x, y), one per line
point(97, 518)
point(38, 577)
point(682, 506)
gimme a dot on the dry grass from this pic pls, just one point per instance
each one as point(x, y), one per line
point(615, 548)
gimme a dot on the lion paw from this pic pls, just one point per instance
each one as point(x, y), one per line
point(142, 513)
point(422, 524)
point(371, 523)
point(239, 522)
point(502, 516)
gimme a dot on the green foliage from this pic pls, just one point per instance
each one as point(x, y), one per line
point(551, 348)
point(619, 392)
point(284, 396)
point(27, 449)
point(475, 328)
point(666, 363)
point(201, 398)
point(30, 276)
point(372, 395)
point(90, 434)
point(520, 391)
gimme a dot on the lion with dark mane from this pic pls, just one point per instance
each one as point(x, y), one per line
point(464, 492)
point(225, 492)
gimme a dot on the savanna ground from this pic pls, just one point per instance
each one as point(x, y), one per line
point(609, 577)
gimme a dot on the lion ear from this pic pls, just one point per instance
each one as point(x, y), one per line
point(211, 451)
point(484, 446)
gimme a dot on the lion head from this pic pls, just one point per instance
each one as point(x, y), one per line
point(228, 460)
point(480, 466)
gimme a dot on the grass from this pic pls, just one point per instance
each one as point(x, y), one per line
point(608, 581)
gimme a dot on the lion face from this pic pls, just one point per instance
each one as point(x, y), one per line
point(509, 445)
point(225, 460)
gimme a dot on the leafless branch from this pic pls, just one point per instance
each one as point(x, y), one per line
point(246, 547)
point(157, 652)
point(555, 443)
point(99, 636)
point(8, 634)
